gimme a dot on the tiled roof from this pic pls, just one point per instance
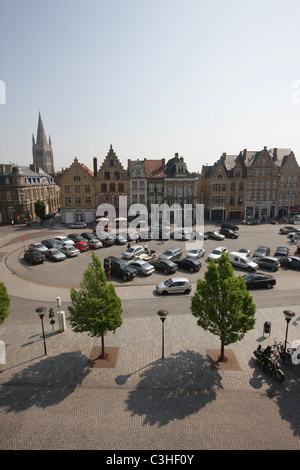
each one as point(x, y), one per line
point(154, 168)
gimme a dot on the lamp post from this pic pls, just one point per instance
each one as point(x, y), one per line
point(163, 315)
point(288, 316)
point(41, 312)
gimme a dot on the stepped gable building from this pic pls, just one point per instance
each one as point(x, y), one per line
point(180, 184)
point(20, 188)
point(111, 181)
point(77, 187)
point(42, 150)
point(255, 184)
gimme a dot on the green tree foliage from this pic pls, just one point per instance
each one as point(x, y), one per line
point(96, 308)
point(40, 209)
point(223, 304)
point(4, 303)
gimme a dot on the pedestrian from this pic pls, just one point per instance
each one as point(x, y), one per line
point(137, 237)
point(146, 248)
point(12, 222)
point(128, 245)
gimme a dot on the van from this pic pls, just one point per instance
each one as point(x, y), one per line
point(119, 267)
point(237, 259)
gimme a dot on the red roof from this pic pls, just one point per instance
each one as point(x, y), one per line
point(154, 168)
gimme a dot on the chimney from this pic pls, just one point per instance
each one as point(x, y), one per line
point(245, 153)
point(95, 166)
point(176, 155)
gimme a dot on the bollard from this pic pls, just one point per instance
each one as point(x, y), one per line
point(267, 327)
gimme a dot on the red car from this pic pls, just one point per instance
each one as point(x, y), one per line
point(82, 246)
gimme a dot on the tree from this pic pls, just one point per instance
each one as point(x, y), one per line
point(96, 308)
point(4, 303)
point(223, 304)
point(40, 209)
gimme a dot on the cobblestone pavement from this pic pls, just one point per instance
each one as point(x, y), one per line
point(181, 402)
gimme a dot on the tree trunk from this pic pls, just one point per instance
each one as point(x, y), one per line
point(102, 346)
point(222, 351)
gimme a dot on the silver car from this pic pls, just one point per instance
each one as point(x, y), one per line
point(132, 252)
point(94, 243)
point(38, 247)
point(174, 285)
point(55, 254)
point(196, 253)
point(69, 250)
point(143, 267)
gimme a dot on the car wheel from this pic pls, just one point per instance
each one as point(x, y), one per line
point(269, 285)
point(124, 277)
point(273, 269)
point(165, 271)
point(191, 269)
point(187, 291)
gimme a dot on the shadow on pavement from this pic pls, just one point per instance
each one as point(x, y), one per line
point(173, 388)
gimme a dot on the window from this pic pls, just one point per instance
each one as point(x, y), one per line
point(8, 196)
point(87, 189)
point(112, 187)
point(159, 188)
point(78, 201)
point(151, 188)
point(116, 175)
point(240, 200)
point(142, 184)
point(103, 187)
point(87, 200)
point(121, 187)
point(107, 175)
point(67, 189)
point(68, 201)
point(76, 178)
point(77, 188)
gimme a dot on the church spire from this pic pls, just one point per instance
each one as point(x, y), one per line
point(41, 138)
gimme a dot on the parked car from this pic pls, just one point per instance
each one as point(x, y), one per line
point(175, 285)
point(233, 227)
point(245, 251)
point(288, 229)
point(196, 235)
point(180, 235)
point(55, 254)
point(165, 265)
point(217, 253)
point(215, 235)
point(142, 267)
point(292, 262)
point(189, 264)
point(261, 251)
point(120, 240)
point(281, 251)
point(196, 253)
point(76, 238)
point(242, 261)
point(229, 233)
point(133, 251)
point(128, 235)
point(106, 238)
point(267, 262)
point(94, 243)
point(172, 254)
point(37, 247)
point(78, 225)
point(82, 246)
point(50, 243)
point(63, 240)
point(69, 250)
point(259, 280)
point(119, 267)
point(34, 257)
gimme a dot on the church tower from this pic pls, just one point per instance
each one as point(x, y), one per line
point(42, 150)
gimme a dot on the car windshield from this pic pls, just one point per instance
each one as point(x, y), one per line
point(216, 252)
point(168, 253)
point(146, 265)
point(55, 252)
point(169, 282)
point(39, 245)
point(72, 248)
point(130, 250)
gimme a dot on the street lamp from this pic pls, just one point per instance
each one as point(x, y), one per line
point(288, 316)
point(163, 315)
point(41, 311)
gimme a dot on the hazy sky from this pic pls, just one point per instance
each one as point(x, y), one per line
point(150, 77)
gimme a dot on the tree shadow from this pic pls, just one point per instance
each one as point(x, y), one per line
point(44, 383)
point(174, 388)
point(285, 393)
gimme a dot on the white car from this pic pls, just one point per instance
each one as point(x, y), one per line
point(142, 267)
point(217, 253)
point(175, 285)
point(69, 250)
point(38, 247)
point(244, 251)
point(63, 240)
point(196, 253)
point(133, 251)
